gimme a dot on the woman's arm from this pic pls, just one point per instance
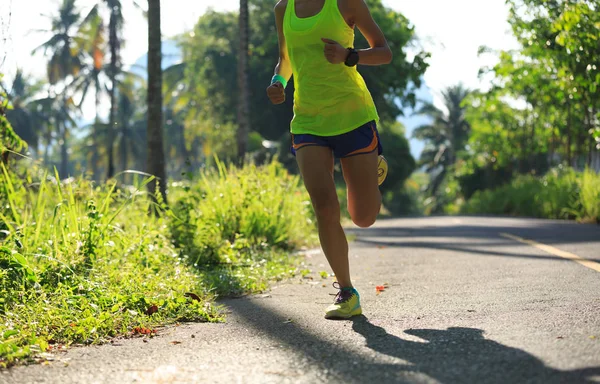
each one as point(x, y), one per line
point(379, 52)
point(359, 15)
point(284, 66)
point(283, 70)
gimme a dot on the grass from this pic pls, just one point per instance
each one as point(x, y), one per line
point(560, 194)
point(81, 264)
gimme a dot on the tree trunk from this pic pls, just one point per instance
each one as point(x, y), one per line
point(47, 151)
point(243, 88)
point(64, 156)
point(524, 145)
point(156, 154)
point(124, 138)
point(187, 161)
point(113, 41)
point(580, 145)
point(569, 158)
point(590, 125)
point(552, 148)
point(532, 145)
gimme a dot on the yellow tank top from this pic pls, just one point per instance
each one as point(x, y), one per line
point(329, 99)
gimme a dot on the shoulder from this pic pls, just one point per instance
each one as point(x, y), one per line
point(281, 6)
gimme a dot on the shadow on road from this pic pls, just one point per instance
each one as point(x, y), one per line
point(464, 355)
point(474, 248)
point(550, 232)
point(478, 239)
point(455, 355)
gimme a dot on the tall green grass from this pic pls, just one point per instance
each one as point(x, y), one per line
point(560, 194)
point(82, 263)
point(234, 218)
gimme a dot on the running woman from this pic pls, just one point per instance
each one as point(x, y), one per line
point(334, 117)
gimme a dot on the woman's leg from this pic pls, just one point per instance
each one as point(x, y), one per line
point(364, 198)
point(316, 166)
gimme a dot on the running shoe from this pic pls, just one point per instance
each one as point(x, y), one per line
point(346, 305)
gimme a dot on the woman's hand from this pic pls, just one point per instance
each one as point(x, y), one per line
point(276, 93)
point(334, 52)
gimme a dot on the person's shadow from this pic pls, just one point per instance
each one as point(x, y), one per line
point(463, 355)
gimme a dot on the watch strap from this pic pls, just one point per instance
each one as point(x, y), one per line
point(351, 58)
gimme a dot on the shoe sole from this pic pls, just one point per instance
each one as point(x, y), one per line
point(382, 170)
point(337, 316)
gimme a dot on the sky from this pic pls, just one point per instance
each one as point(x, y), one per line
point(451, 30)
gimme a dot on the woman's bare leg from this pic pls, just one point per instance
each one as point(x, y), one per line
point(316, 166)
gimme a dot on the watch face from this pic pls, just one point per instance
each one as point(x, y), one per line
point(352, 59)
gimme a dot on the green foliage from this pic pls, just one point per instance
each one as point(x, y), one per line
point(542, 111)
point(408, 201)
point(81, 263)
point(22, 112)
point(473, 178)
point(256, 206)
point(236, 225)
point(560, 194)
point(9, 140)
point(399, 197)
point(554, 76)
point(396, 150)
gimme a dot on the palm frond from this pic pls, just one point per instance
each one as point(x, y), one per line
point(141, 8)
point(51, 43)
point(92, 15)
point(174, 74)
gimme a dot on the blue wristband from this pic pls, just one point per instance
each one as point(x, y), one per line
point(281, 79)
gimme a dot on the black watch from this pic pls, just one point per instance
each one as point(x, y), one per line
point(352, 58)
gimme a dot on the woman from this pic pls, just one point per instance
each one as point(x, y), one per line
point(334, 117)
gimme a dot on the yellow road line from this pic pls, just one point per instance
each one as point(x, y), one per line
point(555, 251)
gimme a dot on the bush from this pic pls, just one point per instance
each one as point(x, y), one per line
point(560, 194)
point(261, 205)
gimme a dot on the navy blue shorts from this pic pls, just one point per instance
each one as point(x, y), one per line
point(362, 140)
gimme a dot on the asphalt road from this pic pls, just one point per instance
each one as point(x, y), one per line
point(466, 302)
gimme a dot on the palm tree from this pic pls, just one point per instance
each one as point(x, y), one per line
point(65, 62)
point(132, 132)
point(114, 8)
point(131, 137)
point(176, 109)
point(65, 56)
point(156, 154)
point(23, 116)
point(243, 112)
point(445, 136)
point(93, 75)
point(55, 114)
point(115, 27)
